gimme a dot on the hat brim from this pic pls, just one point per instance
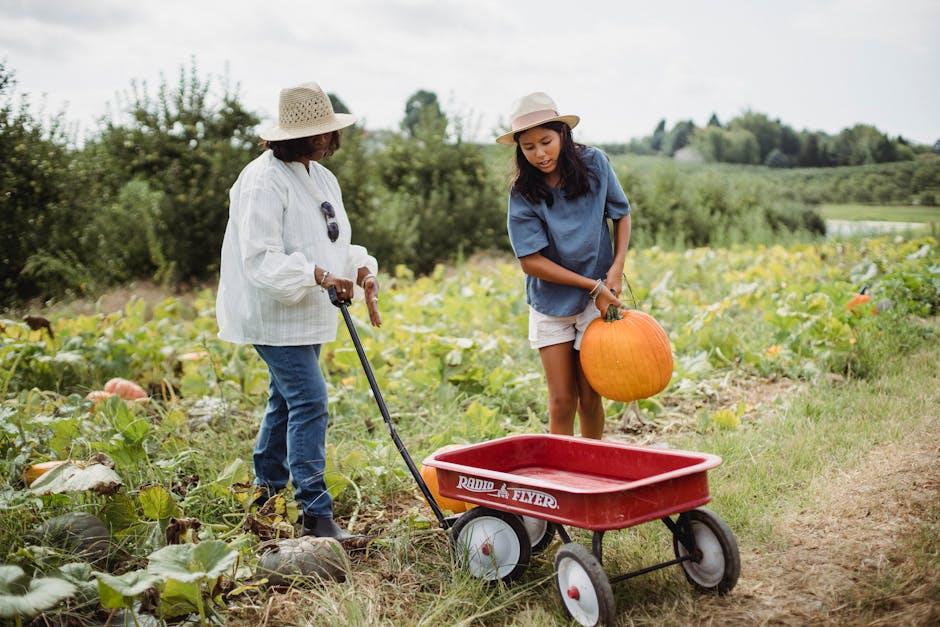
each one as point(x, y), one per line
point(508, 139)
point(337, 122)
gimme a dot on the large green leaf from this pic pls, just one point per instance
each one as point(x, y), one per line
point(236, 472)
point(21, 596)
point(119, 512)
point(158, 504)
point(178, 598)
point(119, 590)
point(81, 574)
point(192, 562)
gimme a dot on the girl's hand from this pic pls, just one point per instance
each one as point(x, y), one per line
point(614, 280)
point(344, 287)
point(605, 298)
point(371, 287)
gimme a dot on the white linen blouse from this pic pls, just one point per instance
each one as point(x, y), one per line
point(276, 235)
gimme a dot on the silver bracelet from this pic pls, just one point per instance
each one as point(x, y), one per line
point(366, 278)
point(596, 289)
point(326, 273)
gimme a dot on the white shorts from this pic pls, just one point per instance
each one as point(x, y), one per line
point(547, 330)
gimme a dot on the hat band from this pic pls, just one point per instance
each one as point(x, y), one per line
point(529, 119)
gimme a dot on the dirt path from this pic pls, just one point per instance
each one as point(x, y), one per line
point(861, 529)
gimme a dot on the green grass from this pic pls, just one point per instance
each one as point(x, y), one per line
point(880, 212)
point(438, 395)
point(771, 465)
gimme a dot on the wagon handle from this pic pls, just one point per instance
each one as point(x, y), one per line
point(343, 306)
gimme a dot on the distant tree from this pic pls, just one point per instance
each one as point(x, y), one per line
point(861, 144)
point(711, 142)
point(936, 147)
point(437, 199)
point(640, 146)
point(656, 141)
point(743, 147)
point(189, 144)
point(776, 159)
point(713, 121)
point(40, 225)
point(767, 132)
point(789, 141)
point(726, 145)
point(338, 105)
point(422, 105)
point(885, 150)
point(678, 138)
point(810, 155)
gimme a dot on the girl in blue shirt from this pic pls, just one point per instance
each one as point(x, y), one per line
point(560, 201)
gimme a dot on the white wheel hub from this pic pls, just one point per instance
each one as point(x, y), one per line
point(488, 547)
point(578, 592)
point(535, 527)
point(709, 571)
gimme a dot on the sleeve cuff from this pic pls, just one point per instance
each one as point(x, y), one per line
point(525, 252)
point(310, 278)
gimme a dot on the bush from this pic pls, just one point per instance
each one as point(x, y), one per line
point(190, 148)
point(696, 206)
point(123, 235)
point(39, 233)
point(430, 198)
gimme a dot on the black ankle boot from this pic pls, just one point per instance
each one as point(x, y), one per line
point(324, 527)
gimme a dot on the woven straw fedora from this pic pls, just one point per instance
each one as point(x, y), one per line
point(303, 111)
point(534, 110)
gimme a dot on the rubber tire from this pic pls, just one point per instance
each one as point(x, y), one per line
point(731, 569)
point(514, 522)
point(543, 543)
point(606, 606)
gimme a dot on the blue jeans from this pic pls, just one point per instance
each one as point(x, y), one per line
point(292, 438)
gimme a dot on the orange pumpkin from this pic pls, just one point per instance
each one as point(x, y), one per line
point(128, 390)
point(626, 356)
point(96, 396)
point(429, 474)
point(858, 299)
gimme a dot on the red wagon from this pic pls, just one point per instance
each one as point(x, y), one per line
point(530, 487)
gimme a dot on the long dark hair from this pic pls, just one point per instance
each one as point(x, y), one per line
point(299, 148)
point(529, 182)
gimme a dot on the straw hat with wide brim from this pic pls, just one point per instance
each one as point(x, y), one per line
point(303, 111)
point(534, 110)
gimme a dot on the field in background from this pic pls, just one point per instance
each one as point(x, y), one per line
point(891, 213)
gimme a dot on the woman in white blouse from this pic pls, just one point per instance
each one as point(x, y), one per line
point(286, 242)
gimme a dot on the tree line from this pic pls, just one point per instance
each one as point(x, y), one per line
point(754, 138)
point(145, 195)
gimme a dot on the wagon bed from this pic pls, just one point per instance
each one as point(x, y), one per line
point(589, 484)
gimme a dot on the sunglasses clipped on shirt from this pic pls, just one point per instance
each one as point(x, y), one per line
point(332, 226)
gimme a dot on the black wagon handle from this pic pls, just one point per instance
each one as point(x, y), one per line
point(343, 306)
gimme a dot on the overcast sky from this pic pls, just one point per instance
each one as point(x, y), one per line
point(620, 65)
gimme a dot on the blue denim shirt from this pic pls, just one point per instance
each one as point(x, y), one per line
point(572, 233)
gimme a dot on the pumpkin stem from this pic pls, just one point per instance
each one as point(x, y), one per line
point(613, 313)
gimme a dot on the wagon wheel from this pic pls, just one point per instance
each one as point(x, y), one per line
point(717, 563)
point(541, 533)
point(584, 587)
point(491, 544)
